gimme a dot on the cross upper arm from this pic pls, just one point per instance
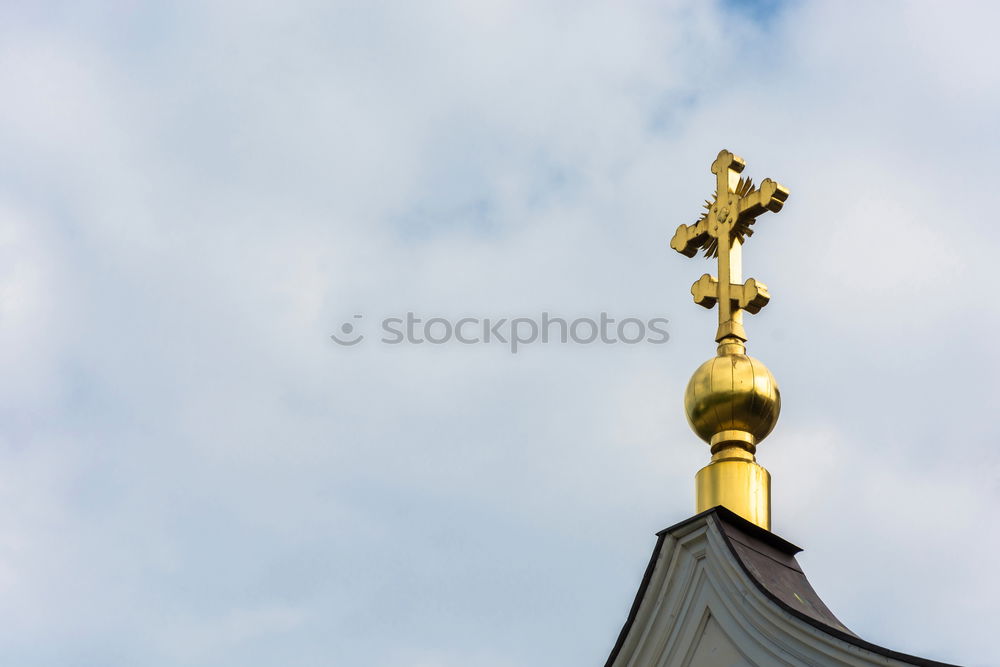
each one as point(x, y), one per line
point(770, 196)
point(688, 238)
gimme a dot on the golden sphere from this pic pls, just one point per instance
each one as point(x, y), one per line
point(732, 392)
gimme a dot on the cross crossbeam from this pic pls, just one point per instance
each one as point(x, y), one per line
point(751, 296)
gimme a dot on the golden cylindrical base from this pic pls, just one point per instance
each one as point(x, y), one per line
point(739, 485)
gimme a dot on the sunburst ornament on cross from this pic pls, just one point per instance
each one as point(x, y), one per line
point(732, 401)
point(721, 232)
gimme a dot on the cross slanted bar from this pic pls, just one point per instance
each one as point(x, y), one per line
point(721, 232)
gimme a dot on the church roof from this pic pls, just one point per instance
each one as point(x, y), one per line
point(717, 579)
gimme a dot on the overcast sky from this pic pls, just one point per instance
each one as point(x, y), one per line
point(195, 195)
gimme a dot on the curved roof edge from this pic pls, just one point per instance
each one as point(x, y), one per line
point(769, 562)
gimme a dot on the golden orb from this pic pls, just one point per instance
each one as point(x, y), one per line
point(732, 398)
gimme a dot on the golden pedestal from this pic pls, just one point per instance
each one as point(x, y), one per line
point(732, 402)
point(738, 483)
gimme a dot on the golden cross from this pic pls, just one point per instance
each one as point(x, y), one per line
point(720, 233)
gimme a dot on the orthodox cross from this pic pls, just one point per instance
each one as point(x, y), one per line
point(720, 233)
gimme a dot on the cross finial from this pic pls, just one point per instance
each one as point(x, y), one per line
point(721, 232)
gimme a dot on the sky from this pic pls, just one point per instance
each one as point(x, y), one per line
point(195, 196)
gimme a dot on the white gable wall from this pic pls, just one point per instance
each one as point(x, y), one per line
point(700, 609)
